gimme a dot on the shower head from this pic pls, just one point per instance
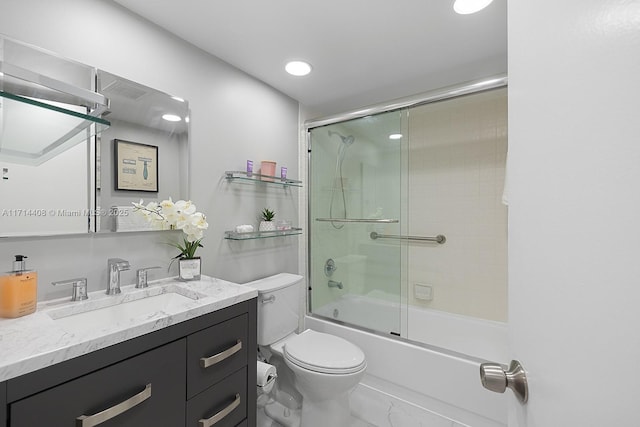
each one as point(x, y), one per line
point(346, 140)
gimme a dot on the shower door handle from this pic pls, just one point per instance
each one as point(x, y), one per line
point(495, 378)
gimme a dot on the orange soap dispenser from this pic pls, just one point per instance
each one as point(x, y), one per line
point(18, 290)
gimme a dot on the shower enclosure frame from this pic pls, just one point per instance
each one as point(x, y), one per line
point(449, 92)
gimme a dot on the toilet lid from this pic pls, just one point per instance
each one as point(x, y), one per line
point(324, 353)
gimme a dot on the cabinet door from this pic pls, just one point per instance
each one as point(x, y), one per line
point(155, 379)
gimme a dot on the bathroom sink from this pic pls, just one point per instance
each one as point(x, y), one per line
point(123, 310)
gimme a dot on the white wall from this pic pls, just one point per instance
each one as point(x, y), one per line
point(574, 209)
point(234, 118)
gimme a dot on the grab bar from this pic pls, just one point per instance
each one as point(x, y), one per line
point(438, 239)
point(367, 220)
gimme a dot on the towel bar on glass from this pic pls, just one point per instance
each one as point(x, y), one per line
point(438, 239)
point(367, 220)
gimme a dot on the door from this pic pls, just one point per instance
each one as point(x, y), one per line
point(355, 205)
point(574, 211)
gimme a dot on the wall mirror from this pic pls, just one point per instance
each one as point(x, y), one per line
point(142, 155)
point(60, 123)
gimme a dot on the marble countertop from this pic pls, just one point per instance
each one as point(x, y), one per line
point(59, 330)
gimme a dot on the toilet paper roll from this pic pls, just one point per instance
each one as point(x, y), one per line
point(266, 376)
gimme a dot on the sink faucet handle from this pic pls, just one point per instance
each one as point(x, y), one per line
point(79, 287)
point(141, 276)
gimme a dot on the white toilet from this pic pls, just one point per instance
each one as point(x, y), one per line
point(325, 367)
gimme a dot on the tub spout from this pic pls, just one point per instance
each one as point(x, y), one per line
point(334, 284)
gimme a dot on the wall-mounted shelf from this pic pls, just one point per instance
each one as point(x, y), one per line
point(242, 176)
point(47, 115)
point(232, 235)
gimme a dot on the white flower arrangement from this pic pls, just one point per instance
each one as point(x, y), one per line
point(180, 215)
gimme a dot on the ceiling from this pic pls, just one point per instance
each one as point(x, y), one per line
point(362, 51)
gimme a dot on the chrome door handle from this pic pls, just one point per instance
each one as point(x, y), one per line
point(495, 378)
point(114, 411)
point(220, 415)
point(205, 362)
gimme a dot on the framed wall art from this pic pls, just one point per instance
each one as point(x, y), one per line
point(136, 166)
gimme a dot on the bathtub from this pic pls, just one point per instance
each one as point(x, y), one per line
point(434, 384)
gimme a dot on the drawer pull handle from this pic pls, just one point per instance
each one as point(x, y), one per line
point(220, 415)
point(114, 411)
point(205, 362)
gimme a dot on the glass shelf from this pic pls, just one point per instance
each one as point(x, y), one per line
point(266, 179)
point(57, 129)
point(42, 115)
point(232, 235)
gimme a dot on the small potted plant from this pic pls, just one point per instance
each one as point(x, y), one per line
point(266, 223)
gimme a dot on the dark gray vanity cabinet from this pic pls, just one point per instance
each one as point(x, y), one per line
point(191, 374)
point(3, 404)
point(145, 390)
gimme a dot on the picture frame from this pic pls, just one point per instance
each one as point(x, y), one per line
point(136, 166)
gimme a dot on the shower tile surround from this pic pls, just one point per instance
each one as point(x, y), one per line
point(457, 163)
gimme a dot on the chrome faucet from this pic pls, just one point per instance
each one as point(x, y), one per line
point(115, 266)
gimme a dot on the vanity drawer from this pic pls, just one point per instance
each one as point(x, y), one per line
point(225, 401)
point(145, 390)
point(216, 352)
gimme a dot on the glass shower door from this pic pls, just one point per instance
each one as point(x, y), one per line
point(356, 193)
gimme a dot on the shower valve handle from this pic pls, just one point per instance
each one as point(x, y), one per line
point(329, 267)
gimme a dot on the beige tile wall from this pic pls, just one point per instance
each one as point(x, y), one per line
point(457, 157)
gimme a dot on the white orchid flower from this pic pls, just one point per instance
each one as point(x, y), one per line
point(199, 220)
point(151, 212)
point(180, 215)
point(185, 207)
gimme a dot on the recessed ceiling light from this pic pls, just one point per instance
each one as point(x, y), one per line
point(395, 136)
point(298, 68)
point(465, 7)
point(171, 118)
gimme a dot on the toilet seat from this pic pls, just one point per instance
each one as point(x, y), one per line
point(324, 353)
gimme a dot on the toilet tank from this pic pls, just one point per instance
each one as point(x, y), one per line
point(278, 306)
